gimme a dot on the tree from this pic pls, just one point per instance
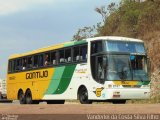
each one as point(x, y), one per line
point(83, 33)
point(87, 32)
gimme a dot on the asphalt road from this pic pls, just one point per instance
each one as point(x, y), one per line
point(76, 111)
point(71, 108)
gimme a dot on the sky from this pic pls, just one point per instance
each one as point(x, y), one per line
point(27, 25)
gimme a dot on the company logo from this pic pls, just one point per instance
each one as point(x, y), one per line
point(39, 74)
point(98, 92)
point(82, 71)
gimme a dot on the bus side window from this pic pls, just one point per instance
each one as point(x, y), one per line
point(61, 56)
point(76, 55)
point(53, 58)
point(96, 47)
point(40, 60)
point(19, 65)
point(10, 66)
point(24, 63)
point(47, 58)
point(30, 62)
point(35, 64)
point(83, 52)
point(68, 55)
point(14, 65)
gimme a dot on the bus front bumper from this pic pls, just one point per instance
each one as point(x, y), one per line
point(128, 94)
point(135, 93)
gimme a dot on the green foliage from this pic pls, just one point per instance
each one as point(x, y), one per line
point(129, 19)
point(93, 31)
point(85, 32)
point(133, 19)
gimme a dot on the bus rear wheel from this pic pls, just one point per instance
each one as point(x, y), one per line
point(29, 100)
point(21, 97)
point(55, 101)
point(83, 96)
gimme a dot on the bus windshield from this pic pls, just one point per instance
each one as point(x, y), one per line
point(119, 60)
point(118, 68)
point(124, 46)
point(127, 67)
point(139, 67)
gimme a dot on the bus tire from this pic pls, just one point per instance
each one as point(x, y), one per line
point(83, 96)
point(119, 101)
point(28, 97)
point(21, 97)
point(55, 101)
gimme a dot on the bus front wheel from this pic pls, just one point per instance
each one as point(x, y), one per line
point(83, 96)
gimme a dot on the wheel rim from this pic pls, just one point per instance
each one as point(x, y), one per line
point(21, 98)
point(84, 96)
point(28, 98)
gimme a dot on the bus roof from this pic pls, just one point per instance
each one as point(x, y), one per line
point(115, 38)
point(45, 49)
point(71, 43)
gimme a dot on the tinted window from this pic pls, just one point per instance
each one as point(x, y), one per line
point(14, 65)
point(76, 55)
point(53, 58)
point(47, 58)
point(18, 64)
point(40, 60)
point(61, 56)
point(68, 55)
point(30, 62)
point(24, 63)
point(122, 46)
point(83, 52)
point(35, 65)
point(96, 47)
point(10, 66)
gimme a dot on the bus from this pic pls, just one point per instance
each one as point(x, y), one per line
point(109, 68)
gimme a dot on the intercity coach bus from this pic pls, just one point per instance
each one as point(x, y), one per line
point(109, 68)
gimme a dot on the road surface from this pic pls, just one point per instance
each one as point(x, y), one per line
point(75, 111)
point(80, 109)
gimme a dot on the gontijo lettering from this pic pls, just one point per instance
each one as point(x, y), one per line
point(39, 74)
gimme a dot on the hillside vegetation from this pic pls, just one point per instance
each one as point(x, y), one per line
point(132, 19)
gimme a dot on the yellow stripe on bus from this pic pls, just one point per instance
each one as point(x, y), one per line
point(125, 82)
